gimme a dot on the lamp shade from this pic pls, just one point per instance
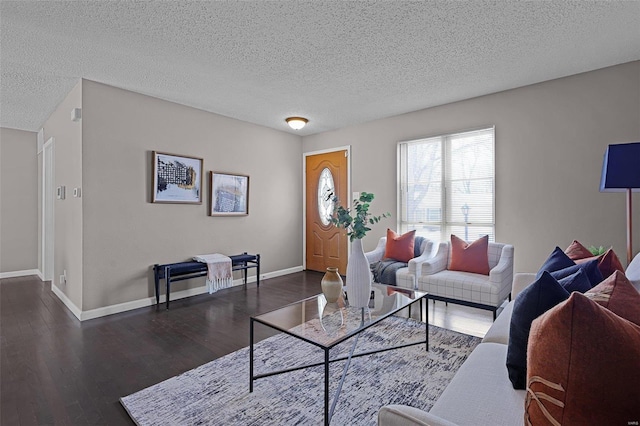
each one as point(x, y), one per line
point(621, 168)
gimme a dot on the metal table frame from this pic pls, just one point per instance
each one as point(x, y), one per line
point(328, 411)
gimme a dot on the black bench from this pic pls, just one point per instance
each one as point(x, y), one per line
point(171, 272)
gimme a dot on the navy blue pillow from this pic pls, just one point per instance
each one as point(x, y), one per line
point(557, 260)
point(533, 301)
point(590, 268)
point(578, 281)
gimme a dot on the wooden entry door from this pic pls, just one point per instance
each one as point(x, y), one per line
point(326, 244)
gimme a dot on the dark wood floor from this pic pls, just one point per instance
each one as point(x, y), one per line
point(56, 370)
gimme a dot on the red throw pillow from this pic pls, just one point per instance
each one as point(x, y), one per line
point(577, 251)
point(472, 257)
point(617, 294)
point(608, 263)
point(582, 366)
point(400, 247)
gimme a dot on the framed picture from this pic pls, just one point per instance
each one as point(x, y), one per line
point(229, 194)
point(176, 179)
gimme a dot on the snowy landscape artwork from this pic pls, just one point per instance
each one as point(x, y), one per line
point(229, 194)
point(176, 179)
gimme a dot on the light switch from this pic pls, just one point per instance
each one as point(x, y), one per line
point(76, 114)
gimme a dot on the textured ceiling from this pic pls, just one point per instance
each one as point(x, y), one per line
point(336, 63)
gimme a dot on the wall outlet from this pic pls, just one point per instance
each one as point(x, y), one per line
point(63, 278)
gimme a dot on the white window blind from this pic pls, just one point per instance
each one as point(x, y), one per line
point(447, 185)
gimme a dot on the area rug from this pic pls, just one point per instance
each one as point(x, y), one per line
point(217, 393)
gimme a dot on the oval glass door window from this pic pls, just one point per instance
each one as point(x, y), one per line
point(326, 192)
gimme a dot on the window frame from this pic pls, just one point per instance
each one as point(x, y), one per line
point(403, 224)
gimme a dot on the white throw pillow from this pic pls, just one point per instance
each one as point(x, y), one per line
point(633, 272)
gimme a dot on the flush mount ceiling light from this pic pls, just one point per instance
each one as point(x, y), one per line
point(296, 123)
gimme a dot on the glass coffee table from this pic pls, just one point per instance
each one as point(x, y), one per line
point(326, 325)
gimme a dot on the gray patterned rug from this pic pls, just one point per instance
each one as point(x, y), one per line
point(217, 393)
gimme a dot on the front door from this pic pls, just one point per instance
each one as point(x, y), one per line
point(326, 245)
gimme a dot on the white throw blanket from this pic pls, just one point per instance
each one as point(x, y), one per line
point(219, 273)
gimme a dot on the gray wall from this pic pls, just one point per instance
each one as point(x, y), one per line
point(18, 201)
point(68, 213)
point(550, 140)
point(124, 234)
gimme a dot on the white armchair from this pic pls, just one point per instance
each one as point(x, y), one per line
point(405, 277)
point(465, 288)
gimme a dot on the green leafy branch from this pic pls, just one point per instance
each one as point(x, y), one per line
point(355, 220)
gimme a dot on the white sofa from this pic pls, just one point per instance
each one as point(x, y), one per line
point(405, 277)
point(480, 393)
point(476, 290)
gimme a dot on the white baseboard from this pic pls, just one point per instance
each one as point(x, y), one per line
point(140, 303)
point(279, 273)
point(67, 302)
point(24, 273)
point(175, 295)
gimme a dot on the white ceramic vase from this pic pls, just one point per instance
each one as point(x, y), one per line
point(358, 277)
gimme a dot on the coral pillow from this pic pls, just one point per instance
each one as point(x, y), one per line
point(400, 247)
point(582, 366)
point(577, 251)
point(617, 294)
point(608, 263)
point(472, 257)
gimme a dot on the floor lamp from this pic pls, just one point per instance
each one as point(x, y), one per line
point(621, 173)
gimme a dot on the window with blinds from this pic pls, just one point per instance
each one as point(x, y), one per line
point(447, 185)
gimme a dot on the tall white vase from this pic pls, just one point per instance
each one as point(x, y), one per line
point(358, 277)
